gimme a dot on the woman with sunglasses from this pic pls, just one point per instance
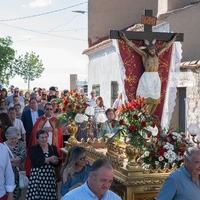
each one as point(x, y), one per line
point(75, 169)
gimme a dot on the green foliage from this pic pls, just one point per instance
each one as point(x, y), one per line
point(7, 58)
point(29, 67)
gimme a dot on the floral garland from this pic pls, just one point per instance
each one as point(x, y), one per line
point(165, 148)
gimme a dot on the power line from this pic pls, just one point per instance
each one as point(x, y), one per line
point(70, 20)
point(76, 29)
point(37, 15)
point(43, 33)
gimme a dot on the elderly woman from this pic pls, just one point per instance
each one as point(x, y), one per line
point(75, 169)
point(110, 127)
point(17, 151)
point(44, 159)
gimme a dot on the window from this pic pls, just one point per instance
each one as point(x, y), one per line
point(178, 117)
point(114, 91)
point(97, 89)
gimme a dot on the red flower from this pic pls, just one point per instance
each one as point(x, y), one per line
point(65, 101)
point(70, 106)
point(132, 104)
point(165, 140)
point(78, 107)
point(149, 134)
point(153, 125)
point(131, 128)
point(161, 153)
point(135, 117)
point(77, 95)
point(121, 108)
point(157, 136)
point(152, 154)
point(143, 124)
point(64, 109)
point(121, 122)
point(85, 105)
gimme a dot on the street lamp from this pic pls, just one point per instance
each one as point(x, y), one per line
point(194, 131)
point(80, 11)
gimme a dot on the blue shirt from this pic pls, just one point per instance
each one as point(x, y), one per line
point(179, 186)
point(78, 177)
point(84, 193)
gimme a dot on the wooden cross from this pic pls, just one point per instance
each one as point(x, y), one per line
point(148, 20)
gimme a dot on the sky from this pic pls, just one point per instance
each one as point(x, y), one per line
point(52, 30)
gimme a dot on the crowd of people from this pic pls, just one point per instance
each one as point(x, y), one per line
point(31, 141)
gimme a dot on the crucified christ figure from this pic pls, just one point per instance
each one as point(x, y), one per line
point(149, 85)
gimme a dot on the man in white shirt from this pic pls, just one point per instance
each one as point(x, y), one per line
point(7, 180)
point(97, 186)
point(17, 123)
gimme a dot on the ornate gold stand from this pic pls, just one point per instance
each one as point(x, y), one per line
point(72, 128)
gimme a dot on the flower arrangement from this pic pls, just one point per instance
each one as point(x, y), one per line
point(142, 130)
point(135, 123)
point(71, 105)
point(166, 148)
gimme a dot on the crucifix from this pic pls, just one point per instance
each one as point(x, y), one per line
point(149, 21)
point(149, 85)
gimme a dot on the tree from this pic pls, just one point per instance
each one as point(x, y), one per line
point(29, 67)
point(7, 58)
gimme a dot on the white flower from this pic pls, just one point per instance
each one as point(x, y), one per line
point(170, 160)
point(178, 135)
point(160, 158)
point(167, 145)
point(166, 155)
point(171, 147)
point(146, 153)
point(174, 137)
point(156, 163)
point(172, 156)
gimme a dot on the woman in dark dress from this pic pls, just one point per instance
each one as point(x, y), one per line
point(44, 158)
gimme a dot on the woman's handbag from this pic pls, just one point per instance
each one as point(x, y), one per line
point(23, 179)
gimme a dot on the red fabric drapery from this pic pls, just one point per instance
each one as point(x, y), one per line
point(134, 69)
